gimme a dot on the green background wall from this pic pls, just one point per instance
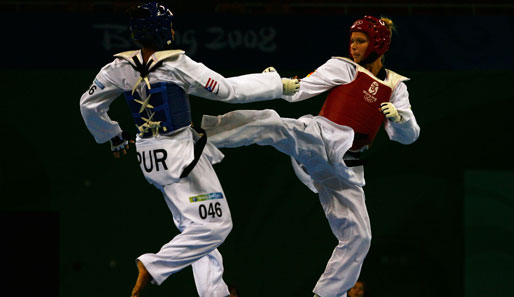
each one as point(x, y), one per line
point(441, 208)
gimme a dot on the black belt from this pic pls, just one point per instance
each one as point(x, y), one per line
point(198, 149)
point(161, 131)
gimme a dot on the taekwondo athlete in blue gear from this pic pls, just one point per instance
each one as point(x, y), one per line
point(173, 156)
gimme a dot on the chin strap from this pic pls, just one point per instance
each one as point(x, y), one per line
point(370, 59)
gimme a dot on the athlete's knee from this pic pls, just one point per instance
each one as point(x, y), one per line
point(226, 228)
point(272, 127)
point(221, 230)
point(363, 243)
point(269, 114)
point(269, 118)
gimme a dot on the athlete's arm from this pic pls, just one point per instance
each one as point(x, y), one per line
point(290, 85)
point(201, 81)
point(331, 74)
point(94, 105)
point(406, 131)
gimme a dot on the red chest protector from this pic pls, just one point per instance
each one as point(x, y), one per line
point(356, 105)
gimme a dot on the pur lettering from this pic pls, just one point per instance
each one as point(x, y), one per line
point(151, 158)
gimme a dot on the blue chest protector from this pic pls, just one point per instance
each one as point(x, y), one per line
point(164, 110)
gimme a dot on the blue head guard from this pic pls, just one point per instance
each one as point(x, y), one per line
point(150, 25)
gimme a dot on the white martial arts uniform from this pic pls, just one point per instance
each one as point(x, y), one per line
point(317, 147)
point(197, 202)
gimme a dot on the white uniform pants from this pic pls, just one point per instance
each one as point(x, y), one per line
point(200, 212)
point(319, 145)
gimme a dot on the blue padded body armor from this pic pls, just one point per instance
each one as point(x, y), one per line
point(170, 107)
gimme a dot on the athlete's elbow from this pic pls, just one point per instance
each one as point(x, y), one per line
point(407, 141)
point(86, 110)
point(411, 139)
point(405, 138)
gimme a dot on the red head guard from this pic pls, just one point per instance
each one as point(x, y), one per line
point(378, 34)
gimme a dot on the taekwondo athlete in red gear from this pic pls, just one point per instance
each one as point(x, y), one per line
point(174, 157)
point(325, 149)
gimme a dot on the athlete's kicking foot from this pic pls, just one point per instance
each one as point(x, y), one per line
point(142, 279)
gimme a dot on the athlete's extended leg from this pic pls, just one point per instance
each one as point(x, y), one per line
point(315, 142)
point(293, 137)
point(201, 213)
point(245, 127)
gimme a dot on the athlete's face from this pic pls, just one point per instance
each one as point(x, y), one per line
point(358, 44)
point(357, 290)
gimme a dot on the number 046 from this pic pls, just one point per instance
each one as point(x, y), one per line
point(211, 210)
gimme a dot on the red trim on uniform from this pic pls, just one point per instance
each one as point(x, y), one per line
point(211, 85)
